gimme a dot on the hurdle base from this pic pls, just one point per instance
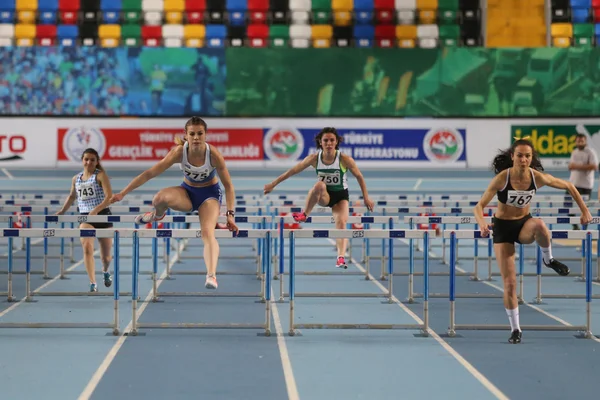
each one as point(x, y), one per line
point(206, 294)
point(82, 294)
point(198, 325)
point(549, 328)
point(460, 296)
point(68, 325)
point(341, 295)
point(360, 326)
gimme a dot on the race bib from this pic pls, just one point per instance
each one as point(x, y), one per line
point(196, 175)
point(330, 178)
point(519, 198)
point(85, 191)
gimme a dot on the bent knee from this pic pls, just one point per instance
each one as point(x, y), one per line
point(106, 259)
point(88, 247)
point(320, 186)
point(540, 226)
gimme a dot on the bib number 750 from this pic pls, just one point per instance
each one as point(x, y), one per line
point(330, 179)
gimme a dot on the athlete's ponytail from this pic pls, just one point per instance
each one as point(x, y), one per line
point(503, 159)
point(94, 153)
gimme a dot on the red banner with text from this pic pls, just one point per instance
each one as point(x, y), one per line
point(129, 145)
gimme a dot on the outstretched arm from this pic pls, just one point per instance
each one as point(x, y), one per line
point(554, 182)
point(296, 169)
point(173, 157)
point(72, 197)
point(349, 163)
point(219, 163)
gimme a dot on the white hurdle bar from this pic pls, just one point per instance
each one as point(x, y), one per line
point(587, 236)
point(258, 220)
point(471, 220)
point(372, 234)
point(65, 233)
point(264, 235)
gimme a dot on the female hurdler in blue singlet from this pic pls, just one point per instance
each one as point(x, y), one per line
point(331, 189)
point(91, 188)
point(517, 178)
point(199, 191)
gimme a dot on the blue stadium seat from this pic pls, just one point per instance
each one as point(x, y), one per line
point(581, 4)
point(111, 11)
point(580, 15)
point(364, 35)
point(47, 11)
point(7, 11)
point(216, 35)
point(66, 35)
point(363, 11)
point(237, 10)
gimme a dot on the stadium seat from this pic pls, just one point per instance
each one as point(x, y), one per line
point(174, 11)
point(561, 33)
point(7, 35)
point(216, 35)
point(68, 11)
point(111, 11)
point(194, 11)
point(66, 35)
point(448, 11)
point(406, 11)
point(384, 12)
point(406, 35)
point(279, 35)
point(131, 35)
point(47, 11)
point(152, 35)
point(321, 12)
point(173, 35)
point(237, 9)
point(342, 12)
point(194, 35)
point(25, 34)
point(215, 12)
point(363, 11)
point(258, 11)
point(7, 11)
point(300, 35)
point(109, 35)
point(46, 35)
point(428, 36)
point(132, 11)
point(257, 35)
point(583, 35)
point(26, 11)
point(385, 35)
point(427, 11)
point(364, 35)
point(321, 36)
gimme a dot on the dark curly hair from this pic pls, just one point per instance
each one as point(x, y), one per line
point(325, 130)
point(504, 161)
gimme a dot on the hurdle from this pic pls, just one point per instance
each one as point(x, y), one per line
point(346, 233)
point(588, 236)
point(264, 235)
point(49, 219)
point(35, 233)
point(471, 220)
point(366, 220)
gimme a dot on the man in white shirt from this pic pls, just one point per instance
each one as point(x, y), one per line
point(583, 165)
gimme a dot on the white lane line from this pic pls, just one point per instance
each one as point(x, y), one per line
point(419, 181)
point(288, 373)
point(112, 353)
point(8, 174)
point(461, 360)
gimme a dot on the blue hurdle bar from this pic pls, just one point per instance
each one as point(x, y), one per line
point(586, 329)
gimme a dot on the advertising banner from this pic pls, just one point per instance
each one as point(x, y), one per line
point(25, 147)
point(417, 147)
point(555, 142)
point(130, 146)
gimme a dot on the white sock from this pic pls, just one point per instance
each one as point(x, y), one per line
point(546, 254)
point(513, 318)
